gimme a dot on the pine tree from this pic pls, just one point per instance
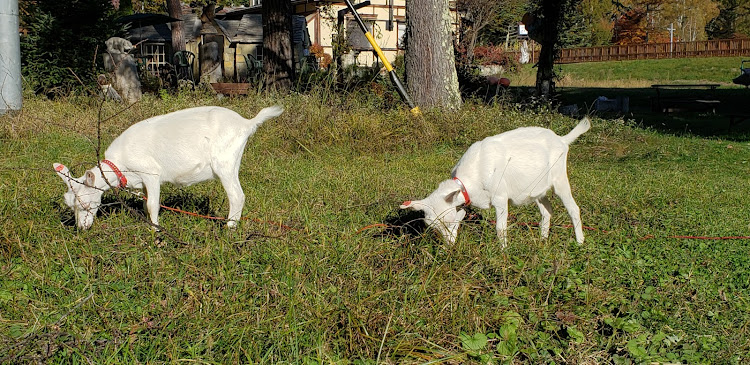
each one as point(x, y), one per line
point(430, 67)
point(174, 9)
point(277, 44)
point(546, 24)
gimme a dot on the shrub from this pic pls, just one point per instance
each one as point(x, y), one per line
point(492, 55)
point(65, 38)
point(324, 59)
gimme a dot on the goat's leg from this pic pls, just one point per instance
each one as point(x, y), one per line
point(562, 189)
point(546, 210)
point(501, 211)
point(236, 197)
point(153, 192)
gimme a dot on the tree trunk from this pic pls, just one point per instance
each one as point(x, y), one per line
point(551, 13)
point(278, 65)
point(430, 62)
point(174, 8)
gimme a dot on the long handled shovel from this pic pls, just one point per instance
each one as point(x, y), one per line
point(388, 67)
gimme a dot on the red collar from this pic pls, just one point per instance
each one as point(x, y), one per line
point(120, 176)
point(463, 191)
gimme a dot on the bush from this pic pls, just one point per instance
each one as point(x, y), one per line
point(492, 55)
point(324, 59)
point(65, 39)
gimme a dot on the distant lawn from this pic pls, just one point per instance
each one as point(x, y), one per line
point(582, 83)
point(715, 69)
point(641, 73)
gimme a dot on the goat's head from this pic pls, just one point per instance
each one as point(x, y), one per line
point(82, 196)
point(442, 209)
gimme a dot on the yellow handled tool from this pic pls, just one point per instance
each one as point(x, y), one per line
point(388, 67)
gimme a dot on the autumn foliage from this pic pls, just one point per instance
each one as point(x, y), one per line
point(628, 28)
point(324, 59)
point(494, 55)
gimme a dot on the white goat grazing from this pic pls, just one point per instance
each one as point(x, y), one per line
point(520, 165)
point(184, 147)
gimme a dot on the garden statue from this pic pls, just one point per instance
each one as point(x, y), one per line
point(122, 65)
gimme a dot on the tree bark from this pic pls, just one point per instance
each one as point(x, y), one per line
point(551, 13)
point(430, 62)
point(278, 65)
point(174, 8)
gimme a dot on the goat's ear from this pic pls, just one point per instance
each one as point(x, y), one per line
point(90, 179)
point(407, 205)
point(452, 196)
point(62, 171)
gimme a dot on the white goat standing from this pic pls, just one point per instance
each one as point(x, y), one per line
point(520, 166)
point(184, 147)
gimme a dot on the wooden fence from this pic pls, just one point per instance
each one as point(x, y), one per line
point(712, 48)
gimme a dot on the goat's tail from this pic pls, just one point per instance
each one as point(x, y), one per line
point(580, 129)
point(268, 113)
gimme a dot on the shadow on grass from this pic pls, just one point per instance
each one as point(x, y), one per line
point(111, 204)
point(731, 119)
point(184, 200)
point(411, 226)
point(403, 223)
point(67, 218)
point(114, 203)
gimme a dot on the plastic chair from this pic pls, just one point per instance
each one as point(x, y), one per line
point(254, 66)
point(183, 62)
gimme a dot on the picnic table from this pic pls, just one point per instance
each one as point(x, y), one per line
point(667, 102)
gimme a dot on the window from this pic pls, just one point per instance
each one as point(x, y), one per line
point(155, 56)
point(259, 52)
point(256, 2)
point(401, 34)
point(356, 38)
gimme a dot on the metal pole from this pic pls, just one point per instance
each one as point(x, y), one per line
point(671, 38)
point(386, 64)
point(10, 57)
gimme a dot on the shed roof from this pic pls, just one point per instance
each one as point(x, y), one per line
point(248, 29)
point(163, 32)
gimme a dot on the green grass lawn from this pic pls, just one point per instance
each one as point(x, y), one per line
point(327, 270)
point(639, 73)
point(711, 69)
point(583, 83)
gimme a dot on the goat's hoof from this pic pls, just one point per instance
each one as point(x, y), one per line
point(577, 241)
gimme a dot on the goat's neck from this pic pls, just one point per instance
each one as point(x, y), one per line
point(109, 179)
point(473, 183)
